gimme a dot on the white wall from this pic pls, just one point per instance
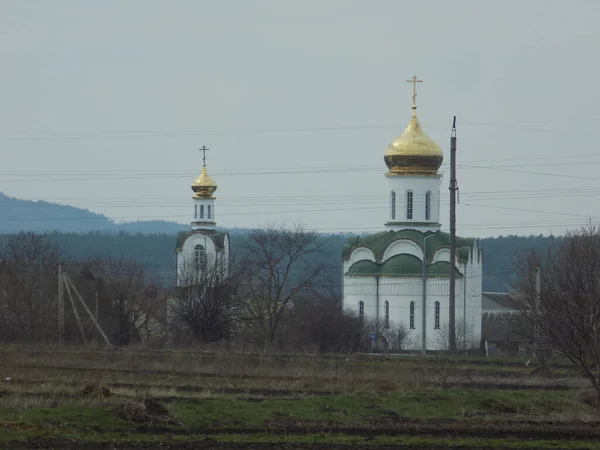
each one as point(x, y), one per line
point(185, 258)
point(419, 185)
point(400, 291)
point(205, 223)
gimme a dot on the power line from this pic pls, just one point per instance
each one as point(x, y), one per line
point(125, 134)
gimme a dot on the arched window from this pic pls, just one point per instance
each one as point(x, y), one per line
point(409, 205)
point(202, 211)
point(437, 315)
point(199, 258)
point(428, 205)
point(412, 316)
point(195, 211)
point(387, 314)
point(208, 215)
point(361, 309)
point(393, 205)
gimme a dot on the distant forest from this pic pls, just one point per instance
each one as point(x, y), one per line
point(86, 235)
point(157, 252)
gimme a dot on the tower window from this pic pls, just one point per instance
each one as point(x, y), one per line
point(387, 314)
point(393, 205)
point(195, 211)
point(199, 258)
point(409, 205)
point(437, 316)
point(428, 205)
point(361, 309)
point(209, 215)
point(412, 315)
point(202, 211)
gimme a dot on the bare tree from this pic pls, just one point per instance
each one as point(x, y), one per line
point(389, 337)
point(463, 335)
point(130, 300)
point(560, 301)
point(28, 288)
point(279, 266)
point(205, 303)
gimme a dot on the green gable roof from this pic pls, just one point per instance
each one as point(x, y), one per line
point(403, 265)
point(217, 236)
point(378, 242)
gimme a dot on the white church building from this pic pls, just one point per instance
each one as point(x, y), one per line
point(400, 276)
point(203, 251)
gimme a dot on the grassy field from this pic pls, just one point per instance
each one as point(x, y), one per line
point(84, 398)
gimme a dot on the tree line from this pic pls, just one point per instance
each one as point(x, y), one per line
point(276, 295)
point(156, 252)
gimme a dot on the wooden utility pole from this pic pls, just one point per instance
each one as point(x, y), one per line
point(536, 323)
point(61, 306)
point(70, 295)
point(453, 189)
point(85, 306)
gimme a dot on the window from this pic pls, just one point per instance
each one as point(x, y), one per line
point(361, 309)
point(393, 205)
point(387, 314)
point(199, 257)
point(437, 316)
point(202, 211)
point(412, 315)
point(208, 213)
point(195, 211)
point(428, 205)
point(409, 205)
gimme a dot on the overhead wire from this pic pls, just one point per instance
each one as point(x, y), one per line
point(120, 134)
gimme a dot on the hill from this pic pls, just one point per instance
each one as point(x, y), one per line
point(40, 217)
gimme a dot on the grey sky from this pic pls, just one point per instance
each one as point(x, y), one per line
point(104, 104)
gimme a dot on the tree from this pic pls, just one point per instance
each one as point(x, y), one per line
point(559, 291)
point(28, 288)
point(131, 300)
point(463, 336)
point(279, 266)
point(389, 337)
point(205, 303)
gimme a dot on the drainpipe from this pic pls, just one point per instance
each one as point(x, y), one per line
point(424, 313)
point(377, 299)
point(465, 308)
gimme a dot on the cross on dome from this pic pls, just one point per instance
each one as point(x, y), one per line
point(414, 81)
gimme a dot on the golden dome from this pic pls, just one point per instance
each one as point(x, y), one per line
point(204, 186)
point(413, 153)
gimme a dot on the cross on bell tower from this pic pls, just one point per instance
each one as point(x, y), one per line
point(204, 149)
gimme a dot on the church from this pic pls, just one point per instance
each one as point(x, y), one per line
point(400, 276)
point(203, 251)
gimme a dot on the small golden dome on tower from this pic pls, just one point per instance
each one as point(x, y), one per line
point(204, 186)
point(413, 153)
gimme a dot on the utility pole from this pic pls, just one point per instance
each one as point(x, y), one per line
point(453, 189)
point(61, 306)
point(536, 323)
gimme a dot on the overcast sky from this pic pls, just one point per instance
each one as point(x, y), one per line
point(105, 103)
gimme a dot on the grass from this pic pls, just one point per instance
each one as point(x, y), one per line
point(252, 398)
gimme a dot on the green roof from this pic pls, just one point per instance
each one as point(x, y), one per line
point(403, 265)
point(217, 236)
point(378, 242)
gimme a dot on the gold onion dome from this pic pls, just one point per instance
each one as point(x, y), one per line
point(204, 186)
point(413, 153)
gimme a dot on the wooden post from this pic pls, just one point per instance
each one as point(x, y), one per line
point(61, 307)
point(74, 308)
point(88, 311)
